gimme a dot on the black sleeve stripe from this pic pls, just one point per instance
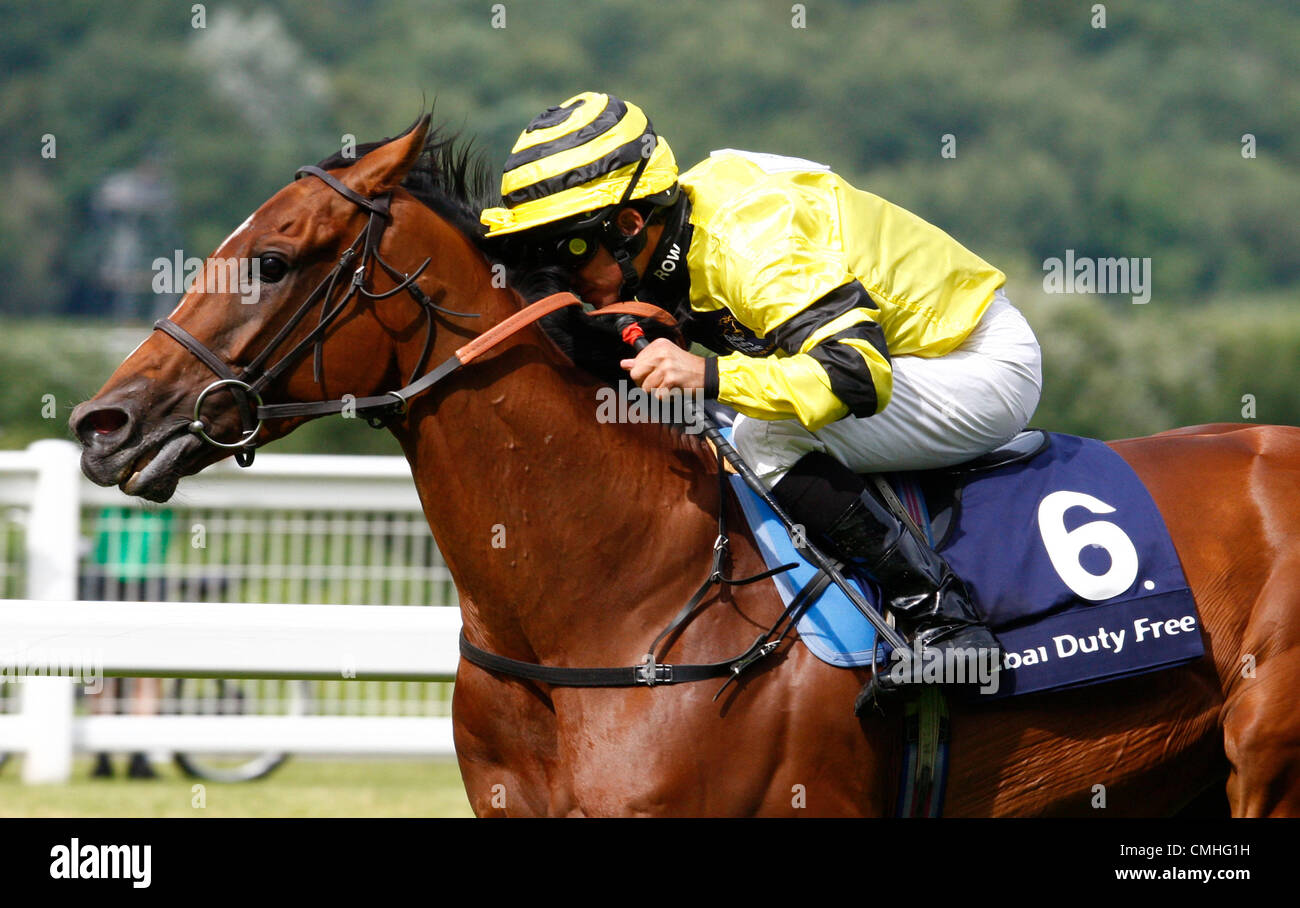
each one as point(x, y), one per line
point(871, 332)
point(791, 334)
point(850, 378)
point(711, 378)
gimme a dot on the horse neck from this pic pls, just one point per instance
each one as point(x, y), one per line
point(549, 520)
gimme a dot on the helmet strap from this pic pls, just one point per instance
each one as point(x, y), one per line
point(622, 247)
point(623, 255)
point(666, 282)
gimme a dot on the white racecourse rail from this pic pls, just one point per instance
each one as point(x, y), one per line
point(344, 532)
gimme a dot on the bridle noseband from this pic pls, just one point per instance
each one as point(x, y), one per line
point(247, 386)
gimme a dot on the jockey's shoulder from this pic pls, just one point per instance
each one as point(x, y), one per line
point(744, 201)
point(731, 179)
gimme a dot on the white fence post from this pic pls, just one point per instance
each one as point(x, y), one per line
point(53, 531)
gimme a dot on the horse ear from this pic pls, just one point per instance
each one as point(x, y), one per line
point(384, 168)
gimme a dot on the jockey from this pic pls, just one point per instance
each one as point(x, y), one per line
point(853, 336)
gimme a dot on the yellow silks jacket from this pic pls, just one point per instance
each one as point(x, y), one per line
point(819, 283)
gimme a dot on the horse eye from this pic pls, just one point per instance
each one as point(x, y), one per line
point(271, 268)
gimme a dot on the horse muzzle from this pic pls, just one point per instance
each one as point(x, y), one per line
point(115, 451)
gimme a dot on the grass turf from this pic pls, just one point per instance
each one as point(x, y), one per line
point(299, 788)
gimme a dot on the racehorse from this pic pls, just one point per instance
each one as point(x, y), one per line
point(573, 541)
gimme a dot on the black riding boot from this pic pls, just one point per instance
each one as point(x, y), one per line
point(930, 603)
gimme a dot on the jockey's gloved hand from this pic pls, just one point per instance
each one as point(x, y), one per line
point(594, 342)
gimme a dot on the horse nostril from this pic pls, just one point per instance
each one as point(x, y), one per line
point(101, 423)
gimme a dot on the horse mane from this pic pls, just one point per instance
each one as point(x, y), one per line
point(455, 179)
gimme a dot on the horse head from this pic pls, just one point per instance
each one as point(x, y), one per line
point(320, 280)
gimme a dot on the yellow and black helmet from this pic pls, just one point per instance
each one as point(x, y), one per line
point(586, 156)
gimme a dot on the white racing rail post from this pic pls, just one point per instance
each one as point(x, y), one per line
point(52, 533)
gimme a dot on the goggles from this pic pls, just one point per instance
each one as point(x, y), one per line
point(573, 251)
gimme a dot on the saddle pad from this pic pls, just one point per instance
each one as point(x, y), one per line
point(1069, 561)
point(832, 627)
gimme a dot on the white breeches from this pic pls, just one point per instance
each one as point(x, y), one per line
point(944, 410)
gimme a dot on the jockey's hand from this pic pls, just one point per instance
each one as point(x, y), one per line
point(662, 366)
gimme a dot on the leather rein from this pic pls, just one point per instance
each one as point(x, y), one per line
point(248, 385)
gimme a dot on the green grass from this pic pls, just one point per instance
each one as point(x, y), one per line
point(299, 788)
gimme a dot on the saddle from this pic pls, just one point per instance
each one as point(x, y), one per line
point(942, 486)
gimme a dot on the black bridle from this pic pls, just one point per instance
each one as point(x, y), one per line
point(248, 385)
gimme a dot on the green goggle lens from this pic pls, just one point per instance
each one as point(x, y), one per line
point(574, 251)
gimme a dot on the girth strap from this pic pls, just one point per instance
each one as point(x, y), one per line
point(649, 673)
point(627, 676)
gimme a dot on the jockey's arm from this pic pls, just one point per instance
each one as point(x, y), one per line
point(780, 269)
point(835, 363)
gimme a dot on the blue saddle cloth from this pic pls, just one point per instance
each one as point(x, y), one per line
point(1068, 559)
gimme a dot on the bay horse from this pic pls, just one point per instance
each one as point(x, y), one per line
point(572, 542)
